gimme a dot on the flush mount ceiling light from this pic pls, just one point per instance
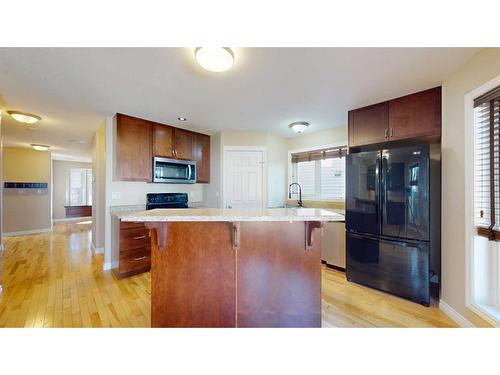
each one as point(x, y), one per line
point(38, 147)
point(181, 118)
point(299, 126)
point(217, 59)
point(26, 118)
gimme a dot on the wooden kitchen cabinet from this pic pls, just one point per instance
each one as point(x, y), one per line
point(202, 157)
point(134, 252)
point(415, 115)
point(133, 148)
point(368, 125)
point(163, 140)
point(183, 144)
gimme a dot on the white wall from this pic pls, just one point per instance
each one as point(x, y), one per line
point(99, 188)
point(483, 67)
point(212, 191)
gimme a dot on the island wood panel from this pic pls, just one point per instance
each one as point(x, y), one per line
point(415, 115)
point(163, 140)
point(133, 148)
point(278, 280)
point(193, 276)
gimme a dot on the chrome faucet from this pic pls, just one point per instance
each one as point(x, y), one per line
point(300, 193)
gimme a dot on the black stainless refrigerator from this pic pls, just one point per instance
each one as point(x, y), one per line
point(393, 208)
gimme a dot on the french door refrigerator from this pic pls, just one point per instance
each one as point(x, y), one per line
point(393, 220)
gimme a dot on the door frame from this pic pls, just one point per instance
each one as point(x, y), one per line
point(226, 150)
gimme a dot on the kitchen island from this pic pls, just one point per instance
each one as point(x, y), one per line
point(235, 268)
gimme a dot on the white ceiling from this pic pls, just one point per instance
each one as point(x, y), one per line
point(73, 89)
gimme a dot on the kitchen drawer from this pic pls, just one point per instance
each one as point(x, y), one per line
point(134, 265)
point(131, 224)
point(135, 253)
point(134, 238)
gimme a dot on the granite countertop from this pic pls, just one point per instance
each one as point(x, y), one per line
point(216, 214)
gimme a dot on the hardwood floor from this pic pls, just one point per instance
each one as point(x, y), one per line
point(55, 280)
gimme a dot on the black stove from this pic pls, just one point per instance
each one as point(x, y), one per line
point(166, 200)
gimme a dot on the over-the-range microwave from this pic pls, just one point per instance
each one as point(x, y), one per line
point(173, 171)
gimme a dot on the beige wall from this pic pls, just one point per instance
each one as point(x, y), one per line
point(99, 187)
point(481, 68)
point(1, 204)
point(27, 209)
point(60, 173)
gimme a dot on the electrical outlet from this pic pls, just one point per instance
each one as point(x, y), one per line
point(115, 195)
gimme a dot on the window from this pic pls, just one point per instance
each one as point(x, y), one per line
point(80, 187)
point(486, 164)
point(485, 255)
point(320, 173)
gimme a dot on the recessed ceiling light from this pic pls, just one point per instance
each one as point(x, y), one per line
point(39, 147)
point(26, 118)
point(298, 126)
point(217, 59)
point(181, 118)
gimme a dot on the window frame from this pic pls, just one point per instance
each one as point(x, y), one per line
point(489, 313)
point(317, 174)
point(85, 181)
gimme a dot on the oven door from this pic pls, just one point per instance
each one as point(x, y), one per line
point(174, 171)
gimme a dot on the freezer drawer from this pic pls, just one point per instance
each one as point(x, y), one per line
point(333, 244)
point(400, 268)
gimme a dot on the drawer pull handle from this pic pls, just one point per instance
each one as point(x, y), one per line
point(140, 258)
point(139, 237)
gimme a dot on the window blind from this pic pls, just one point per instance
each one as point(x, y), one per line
point(487, 164)
point(327, 153)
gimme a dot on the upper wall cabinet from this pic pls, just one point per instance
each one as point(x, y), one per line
point(415, 115)
point(138, 140)
point(183, 144)
point(202, 157)
point(170, 142)
point(163, 141)
point(368, 125)
point(412, 116)
point(133, 148)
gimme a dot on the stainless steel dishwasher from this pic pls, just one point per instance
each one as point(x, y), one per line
point(333, 244)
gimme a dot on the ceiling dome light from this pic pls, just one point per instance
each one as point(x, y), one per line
point(181, 118)
point(38, 147)
point(26, 118)
point(299, 126)
point(217, 59)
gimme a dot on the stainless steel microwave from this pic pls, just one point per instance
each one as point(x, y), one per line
point(173, 171)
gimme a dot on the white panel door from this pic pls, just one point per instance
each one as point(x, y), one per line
point(243, 179)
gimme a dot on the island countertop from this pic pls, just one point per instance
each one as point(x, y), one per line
point(217, 214)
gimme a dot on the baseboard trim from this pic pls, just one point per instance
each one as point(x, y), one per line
point(455, 316)
point(72, 219)
point(109, 266)
point(97, 250)
point(27, 232)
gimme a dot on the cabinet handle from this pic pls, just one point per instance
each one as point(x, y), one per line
point(139, 237)
point(140, 258)
point(385, 133)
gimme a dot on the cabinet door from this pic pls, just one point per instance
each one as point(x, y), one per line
point(163, 141)
point(368, 125)
point(183, 144)
point(202, 157)
point(133, 148)
point(415, 115)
